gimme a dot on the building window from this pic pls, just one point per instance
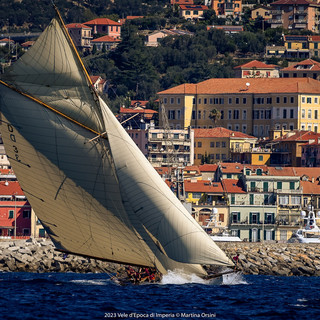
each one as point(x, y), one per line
point(11, 214)
point(235, 217)
point(292, 185)
point(244, 100)
point(260, 158)
point(303, 114)
point(309, 113)
point(251, 198)
point(292, 99)
point(218, 144)
point(229, 100)
point(171, 114)
point(211, 144)
point(316, 114)
point(236, 114)
point(229, 114)
point(284, 113)
point(279, 185)
point(205, 101)
point(199, 144)
point(278, 100)
point(291, 113)
point(171, 100)
point(309, 100)
point(244, 114)
point(303, 99)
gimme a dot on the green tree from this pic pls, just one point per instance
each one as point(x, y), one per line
point(215, 116)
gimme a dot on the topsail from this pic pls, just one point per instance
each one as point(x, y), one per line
point(96, 197)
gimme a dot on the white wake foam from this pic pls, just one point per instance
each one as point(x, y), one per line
point(179, 277)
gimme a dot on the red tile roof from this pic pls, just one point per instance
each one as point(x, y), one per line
point(191, 168)
point(294, 2)
point(208, 168)
point(193, 7)
point(233, 186)
point(134, 17)
point(309, 62)
point(219, 132)
point(231, 167)
point(256, 64)
point(239, 85)
point(310, 173)
point(105, 39)
point(128, 110)
point(103, 21)
point(282, 171)
point(77, 26)
point(203, 186)
point(298, 135)
point(310, 188)
point(27, 44)
point(9, 188)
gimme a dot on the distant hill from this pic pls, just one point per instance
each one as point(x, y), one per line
point(34, 15)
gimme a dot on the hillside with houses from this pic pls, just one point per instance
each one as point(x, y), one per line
point(221, 97)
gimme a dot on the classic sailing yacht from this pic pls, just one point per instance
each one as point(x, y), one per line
point(93, 190)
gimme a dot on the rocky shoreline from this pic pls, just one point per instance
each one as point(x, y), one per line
point(268, 258)
point(271, 258)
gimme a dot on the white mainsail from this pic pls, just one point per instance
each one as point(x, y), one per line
point(95, 197)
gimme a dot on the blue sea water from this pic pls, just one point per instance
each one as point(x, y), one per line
point(94, 296)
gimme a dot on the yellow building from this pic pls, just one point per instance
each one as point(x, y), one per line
point(215, 145)
point(252, 106)
point(192, 11)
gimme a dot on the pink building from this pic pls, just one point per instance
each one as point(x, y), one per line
point(140, 137)
point(15, 211)
point(105, 26)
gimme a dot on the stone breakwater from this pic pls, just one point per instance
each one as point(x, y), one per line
point(40, 256)
point(270, 258)
point(284, 259)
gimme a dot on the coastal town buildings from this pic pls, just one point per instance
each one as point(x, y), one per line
point(191, 11)
point(216, 144)
point(303, 69)
point(106, 42)
point(295, 15)
point(226, 8)
point(256, 69)
point(81, 35)
point(252, 106)
point(105, 26)
point(170, 148)
point(15, 211)
point(287, 149)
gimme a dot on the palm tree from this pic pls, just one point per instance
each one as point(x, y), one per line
point(215, 116)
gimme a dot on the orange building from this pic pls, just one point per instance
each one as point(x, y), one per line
point(227, 8)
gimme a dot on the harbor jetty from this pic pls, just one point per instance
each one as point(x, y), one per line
point(266, 258)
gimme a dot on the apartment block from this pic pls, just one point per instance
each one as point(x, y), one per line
point(251, 106)
point(295, 15)
point(169, 148)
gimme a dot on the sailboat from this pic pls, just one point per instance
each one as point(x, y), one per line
point(87, 181)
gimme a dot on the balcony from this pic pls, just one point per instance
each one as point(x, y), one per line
point(275, 21)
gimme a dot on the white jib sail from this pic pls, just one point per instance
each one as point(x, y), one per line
point(180, 237)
